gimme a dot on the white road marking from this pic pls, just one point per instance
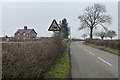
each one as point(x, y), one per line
point(105, 61)
point(94, 54)
point(91, 53)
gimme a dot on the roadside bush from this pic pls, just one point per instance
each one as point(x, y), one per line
point(76, 39)
point(115, 44)
point(30, 59)
point(66, 41)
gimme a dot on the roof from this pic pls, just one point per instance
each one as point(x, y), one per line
point(27, 31)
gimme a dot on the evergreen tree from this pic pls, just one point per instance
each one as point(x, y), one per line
point(65, 30)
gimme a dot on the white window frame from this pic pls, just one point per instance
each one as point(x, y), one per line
point(18, 33)
point(24, 34)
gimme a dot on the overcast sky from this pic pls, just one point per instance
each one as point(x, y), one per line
point(39, 15)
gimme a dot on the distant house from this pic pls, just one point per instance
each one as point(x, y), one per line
point(5, 38)
point(25, 34)
point(0, 38)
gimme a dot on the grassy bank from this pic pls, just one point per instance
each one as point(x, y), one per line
point(116, 51)
point(61, 70)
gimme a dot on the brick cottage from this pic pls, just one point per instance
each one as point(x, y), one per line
point(25, 34)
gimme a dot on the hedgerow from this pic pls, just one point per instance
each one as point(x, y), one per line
point(30, 59)
point(115, 44)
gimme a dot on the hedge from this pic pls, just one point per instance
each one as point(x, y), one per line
point(115, 44)
point(30, 59)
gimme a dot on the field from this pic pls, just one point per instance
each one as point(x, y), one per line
point(30, 59)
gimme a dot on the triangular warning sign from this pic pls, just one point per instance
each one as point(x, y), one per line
point(54, 26)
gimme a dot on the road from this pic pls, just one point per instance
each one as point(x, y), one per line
point(0, 61)
point(88, 62)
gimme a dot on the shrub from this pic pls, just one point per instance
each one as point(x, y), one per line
point(30, 59)
point(115, 44)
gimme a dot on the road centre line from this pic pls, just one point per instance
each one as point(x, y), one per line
point(91, 53)
point(94, 54)
point(104, 61)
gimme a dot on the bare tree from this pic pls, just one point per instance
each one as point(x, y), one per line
point(101, 34)
point(57, 35)
point(84, 36)
point(94, 15)
point(111, 34)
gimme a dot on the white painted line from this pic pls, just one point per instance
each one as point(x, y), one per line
point(105, 61)
point(91, 53)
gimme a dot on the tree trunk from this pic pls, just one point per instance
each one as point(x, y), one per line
point(91, 31)
point(102, 38)
point(111, 38)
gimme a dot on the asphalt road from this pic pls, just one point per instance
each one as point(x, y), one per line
point(0, 61)
point(88, 62)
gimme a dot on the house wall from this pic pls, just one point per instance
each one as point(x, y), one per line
point(32, 35)
point(24, 36)
point(17, 37)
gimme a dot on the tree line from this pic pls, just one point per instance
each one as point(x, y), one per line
point(103, 34)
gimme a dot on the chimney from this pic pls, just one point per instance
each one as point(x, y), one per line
point(25, 27)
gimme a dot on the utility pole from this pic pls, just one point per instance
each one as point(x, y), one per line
point(70, 32)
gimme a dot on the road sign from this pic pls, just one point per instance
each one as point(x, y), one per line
point(54, 26)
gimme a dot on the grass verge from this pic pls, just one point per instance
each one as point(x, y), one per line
point(115, 51)
point(61, 70)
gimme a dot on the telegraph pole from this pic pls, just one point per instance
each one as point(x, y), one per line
point(70, 32)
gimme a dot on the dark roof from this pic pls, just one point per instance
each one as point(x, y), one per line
point(27, 31)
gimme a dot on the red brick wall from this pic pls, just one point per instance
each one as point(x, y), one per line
point(32, 35)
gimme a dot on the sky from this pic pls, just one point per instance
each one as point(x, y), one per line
point(39, 16)
point(119, 20)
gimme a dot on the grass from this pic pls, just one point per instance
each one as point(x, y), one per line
point(116, 51)
point(61, 70)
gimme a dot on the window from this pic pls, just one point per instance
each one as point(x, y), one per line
point(24, 34)
point(18, 33)
point(24, 38)
point(33, 34)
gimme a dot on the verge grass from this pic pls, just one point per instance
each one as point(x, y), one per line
point(116, 51)
point(61, 69)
